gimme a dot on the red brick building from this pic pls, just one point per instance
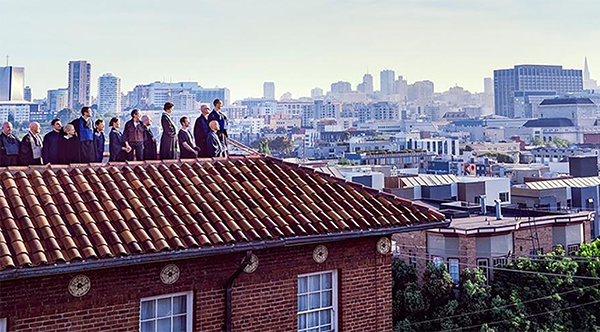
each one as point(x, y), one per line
point(240, 244)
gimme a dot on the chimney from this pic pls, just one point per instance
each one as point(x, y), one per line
point(483, 207)
point(498, 210)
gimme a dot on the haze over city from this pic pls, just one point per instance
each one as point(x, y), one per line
point(297, 44)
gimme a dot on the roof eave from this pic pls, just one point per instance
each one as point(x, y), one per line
point(104, 263)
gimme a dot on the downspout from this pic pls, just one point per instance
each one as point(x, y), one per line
point(228, 327)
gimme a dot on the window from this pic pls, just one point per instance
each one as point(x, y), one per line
point(3, 325)
point(504, 197)
point(483, 264)
point(317, 302)
point(499, 261)
point(167, 313)
point(412, 258)
point(572, 249)
point(453, 269)
point(534, 253)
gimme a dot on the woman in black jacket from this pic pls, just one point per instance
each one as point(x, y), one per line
point(117, 150)
point(68, 146)
point(168, 140)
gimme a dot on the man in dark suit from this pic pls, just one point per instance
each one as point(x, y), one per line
point(214, 147)
point(221, 118)
point(30, 148)
point(149, 139)
point(84, 129)
point(201, 130)
point(9, 146)
point(50, 149)
point(168, 140)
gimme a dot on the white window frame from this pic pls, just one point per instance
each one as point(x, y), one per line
point(499, 261)
point(485, 267)
point(189, 308)
point(572, 249)
point(457, 265)
point(334, 298)
point(3, 324)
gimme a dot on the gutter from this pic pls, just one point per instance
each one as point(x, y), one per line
point(139, 259)
point(228, 327)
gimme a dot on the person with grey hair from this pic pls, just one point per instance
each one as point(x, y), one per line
point(9, 146)
point(30, 148)
point(150, 152)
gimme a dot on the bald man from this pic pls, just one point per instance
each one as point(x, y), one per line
point(9, 146)
point(30, 149)
point(214, 147)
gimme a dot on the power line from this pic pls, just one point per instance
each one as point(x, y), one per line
point(505, 306)
point(528, 316)
point(517, 271)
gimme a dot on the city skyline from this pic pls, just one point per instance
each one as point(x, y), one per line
point(296, 54)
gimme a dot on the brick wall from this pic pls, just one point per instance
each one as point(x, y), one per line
point(263, 301)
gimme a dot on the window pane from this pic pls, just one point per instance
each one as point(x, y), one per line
point(313, 330)
point(163, 325)
point(179, 304)
point(148, 326)
point(313, 319)
point(314, 283)
point(302, 302)
point(302, 321)
point(326, 281)
point(314, 301)
point(179, 324)
point(164, 307)
point(325, 317)
point(302, 285)
point(148, 309)
point(326, 328)
point(326, 299)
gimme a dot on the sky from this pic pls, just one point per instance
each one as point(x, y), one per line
point(298, 44)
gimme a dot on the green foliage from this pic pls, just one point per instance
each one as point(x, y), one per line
point(500, 157)
point(561, 142)
point(520, 300)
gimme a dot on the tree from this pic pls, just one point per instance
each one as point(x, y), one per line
point(280, 130)
point(264, 147)
point(281, 145)
point(561, 142)
point(65, 115)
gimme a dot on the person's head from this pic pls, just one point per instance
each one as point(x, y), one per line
point(185, 122)
point(204, 109)
point(168, 107)
point(7, 128)
point(56, 124)
point(218, 104)
point(34, 128)
point(114, 123)
point(214, 125)
point(146, 121)
point(99, 125)
point(69, 129)
point(86, 112)
point(136, 114)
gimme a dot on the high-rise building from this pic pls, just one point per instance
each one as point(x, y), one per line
point(57, 100)
point(12, 83)
point(341, 87)
point(316, 93)
point(531, 80)
point(269, 90)
point(387, 78)
point(27, 93)
point(421, 90)
point(109, 94)
point(488, 86)
point(367, 84)
point(588, 82)
point(79, 84)
point(401, 87)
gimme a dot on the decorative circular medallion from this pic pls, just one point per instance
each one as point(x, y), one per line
point(79, 285)
point(384, 245)
point(253, 265)
point(169, 274)
point(320, 254)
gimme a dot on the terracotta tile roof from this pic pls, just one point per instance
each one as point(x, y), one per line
point(88, 212)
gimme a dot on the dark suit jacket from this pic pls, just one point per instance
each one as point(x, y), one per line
point(185, 137)
point(99, 141)
point(50, 150)
point(201, 130)
point(149, 144)
point(168, 140)
point(26, 152)
point(68, 150)
point(115, 147)
point(214, 148)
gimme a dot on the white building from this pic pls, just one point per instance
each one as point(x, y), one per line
point(79, 84)
point(582, 111)
point(20, 111)
point(109, 94)
point(269, 90)
point(12, 83)
point(185, 101)
point(316, 93)
point(441, 146)
point(57, 100)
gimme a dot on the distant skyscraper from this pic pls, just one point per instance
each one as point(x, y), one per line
point(421, 90)
point(517, 85)
point(316, 93)
point(269, 90)
point(401, 87)
point(27, 93)
point(387, 78)
point(12, 83)
point(488, 86)
point(588, 82)
point(79, 84)
point(57, 100)
point(109, 94)
point(367, 84)
point(341, 87)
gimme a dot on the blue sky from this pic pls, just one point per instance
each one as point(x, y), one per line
point(298, 44)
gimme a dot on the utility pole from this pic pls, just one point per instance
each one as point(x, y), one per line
point(7, 60)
